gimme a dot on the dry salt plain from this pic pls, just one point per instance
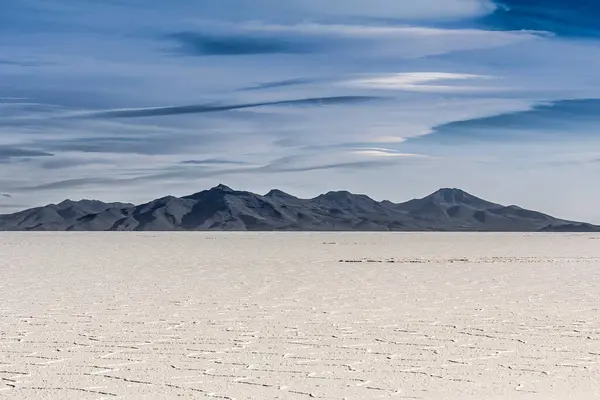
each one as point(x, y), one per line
point(278, 316)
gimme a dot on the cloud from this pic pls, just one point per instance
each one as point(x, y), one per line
point(305, 162)
point(5, 195)
point(322, 167)
point(17, 63)
point(9, 152)
point(562, 17)
point(559, 120)
point(213, 162)
point(417, 81)
point(68, 184)
point(202, 109)
point(151, 144)
point(345, 39)
point(385, 153)
point(575, 159)
point(50, 14)
point(286, 83)
point(406, 81)
point(408, 10)
point(191, 43)
point(57, 163)
point(187, 174)
point(319, 160)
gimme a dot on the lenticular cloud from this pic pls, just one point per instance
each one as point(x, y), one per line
point(409, 10)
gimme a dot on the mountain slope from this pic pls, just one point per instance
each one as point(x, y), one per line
point(456, 210)
point(57, 217)
point(224, 209)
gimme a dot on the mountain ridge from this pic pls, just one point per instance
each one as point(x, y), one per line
point(222, 208)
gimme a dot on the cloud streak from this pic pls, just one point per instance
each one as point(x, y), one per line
point(286, 83)
point(417, 81)
point(213, 162)
point(9, 152)
point(549, 120)
point(204, 109)
point(401, 81)
point(254, 38)
point(309, 162)
point(423, 10)
point(561, 17)
point(18, 63)
point(191, 43)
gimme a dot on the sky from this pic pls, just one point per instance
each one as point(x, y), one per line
point(132, 100)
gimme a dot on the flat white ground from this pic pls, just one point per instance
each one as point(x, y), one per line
point(278, 316)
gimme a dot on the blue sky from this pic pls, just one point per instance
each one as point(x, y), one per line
point(131, 100)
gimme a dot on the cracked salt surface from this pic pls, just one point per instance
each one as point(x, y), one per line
point(299, 316)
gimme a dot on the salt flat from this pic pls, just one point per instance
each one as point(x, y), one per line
point(278, 316)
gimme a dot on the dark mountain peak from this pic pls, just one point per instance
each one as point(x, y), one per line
point(350, 204)
point(450, 195)
point(66, 203)
point(158, 202)
point(166, 198)
point(217, 191)
point(453, 196)
point(276, 193)
point(83, 202)
point(341, 197)
point(337, 195)
point(222, 188)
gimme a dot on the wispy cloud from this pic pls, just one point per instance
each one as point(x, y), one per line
point(287, 83)
point(558, 120)
point(425, 10)
point(20, 63)
point(401, 81)
point(58, 163)
point(385, 153)
point(419, 82)
point(310, 161)
point(348, 39)
point(203, 109)
point(562, 17)
point(69, 183)
point(10, 152)
point(213, 162)
point(191, 43)
point(147, 145)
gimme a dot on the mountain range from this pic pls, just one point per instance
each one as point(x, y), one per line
point(224, 209)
